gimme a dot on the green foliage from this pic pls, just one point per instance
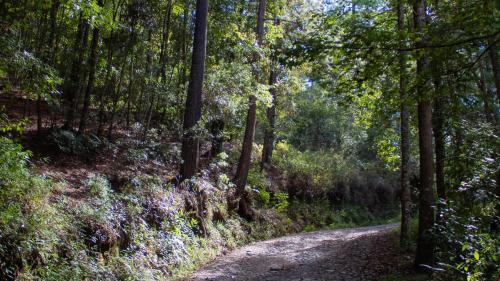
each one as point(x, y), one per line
point(30, 226)
point(467, 246)
point(264, 196)
point(281, 201)
point(319, 166)
point(8, 126)
point(77, 144)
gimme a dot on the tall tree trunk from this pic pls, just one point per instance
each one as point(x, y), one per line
point(40, 52)
point(495, 65)
point(49, 55)
point(39, 125)
point(71, 86)
point(488, 100)
point(108, 85)
point(108, 78)
point(425, 243)
point(130, 94)
point(267, 150)
point(405, 136)
point(438, 116)
point(90, 84)
point(116, 98)
point(246, 152)
point(153, 98)
point(164, 42)
point(192, 114)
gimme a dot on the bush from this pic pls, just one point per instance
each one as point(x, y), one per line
point(30, 225)
point(76, 144)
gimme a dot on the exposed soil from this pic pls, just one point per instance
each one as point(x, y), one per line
point(366, 253)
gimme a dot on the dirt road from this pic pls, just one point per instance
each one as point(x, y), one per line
point(365, 253)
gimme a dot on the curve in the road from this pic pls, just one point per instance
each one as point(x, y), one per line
point(364, 253)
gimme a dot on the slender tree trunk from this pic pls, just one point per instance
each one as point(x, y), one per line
point(108, 85)
point(267, 150)
point(488, 101)
point(149, 113)
point(72, 85)
point(39, 125)
point(164, 42)
point(116, 98)
point(130, 94)
point(217, 132)
point(438, 129)
point(49, 55)
point(116, 89)
point(425, 243)
point(246, 152)
point(109, 66)
point(405, 137)
point(90, 84)
point(495, 65)
point(190, 141)
point(41, 49)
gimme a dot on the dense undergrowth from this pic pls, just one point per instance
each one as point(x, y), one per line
point(147, 228)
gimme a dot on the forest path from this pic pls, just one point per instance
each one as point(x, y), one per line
point(364, 253)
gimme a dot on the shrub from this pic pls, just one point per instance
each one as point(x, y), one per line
point(281, 201)
point(30, 226)
point(76, 144)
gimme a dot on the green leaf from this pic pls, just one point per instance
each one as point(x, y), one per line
point(476, 255)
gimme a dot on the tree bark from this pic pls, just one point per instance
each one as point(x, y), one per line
point(190, 140)
point(425, 243)
point(405, 137)
point(90, 84)
point(244, 162)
